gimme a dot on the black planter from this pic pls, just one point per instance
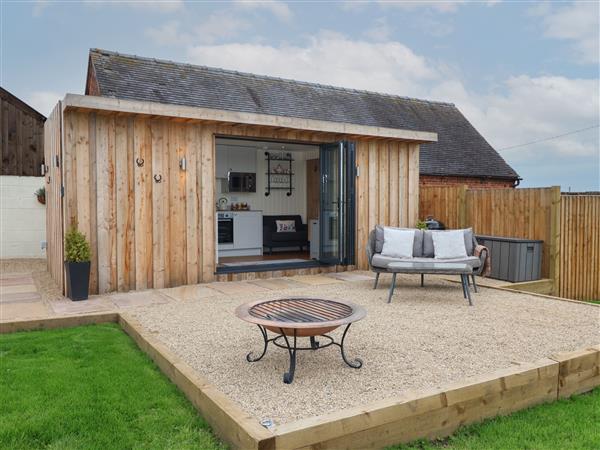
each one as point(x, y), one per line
point(78, 280)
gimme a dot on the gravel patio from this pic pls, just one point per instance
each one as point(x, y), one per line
point(426, 337)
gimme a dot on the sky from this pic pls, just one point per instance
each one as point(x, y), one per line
point(521, 72)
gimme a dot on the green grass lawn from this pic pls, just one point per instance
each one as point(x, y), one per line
point(90, 388)
point(567, 424)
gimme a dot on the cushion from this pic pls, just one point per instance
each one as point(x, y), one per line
point(449, 244)
point(417, 245)
point(382, 262)
point(398, 243)
point(285, 226)
point(428, 242)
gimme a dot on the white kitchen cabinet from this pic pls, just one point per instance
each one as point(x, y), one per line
point(247, 230)
point(234, 159)
point(242, 159)
point(221, 163)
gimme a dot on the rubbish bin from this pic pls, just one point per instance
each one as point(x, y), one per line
point(514, 259)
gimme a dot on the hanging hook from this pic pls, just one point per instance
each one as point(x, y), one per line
point(157, 178)
point(139, 162)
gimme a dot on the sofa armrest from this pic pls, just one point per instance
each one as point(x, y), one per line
point(370, 247)
point(482, 257)
point(266, 233)
point(303, 227)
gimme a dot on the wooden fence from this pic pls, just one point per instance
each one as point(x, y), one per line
point(568, 225)
point(580, 247)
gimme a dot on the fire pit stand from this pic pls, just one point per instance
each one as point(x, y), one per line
point(292, 318)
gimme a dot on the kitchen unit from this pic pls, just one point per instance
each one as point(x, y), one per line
point(239, 233)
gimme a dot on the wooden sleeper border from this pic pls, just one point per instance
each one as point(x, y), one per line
point(434, 413)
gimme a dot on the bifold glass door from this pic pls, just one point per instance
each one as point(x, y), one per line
point(336, 220)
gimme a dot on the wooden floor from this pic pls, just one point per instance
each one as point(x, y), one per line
point(274, 257)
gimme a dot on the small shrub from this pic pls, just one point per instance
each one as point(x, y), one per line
point(77, 248)
point(41, 192)
point(421, 225)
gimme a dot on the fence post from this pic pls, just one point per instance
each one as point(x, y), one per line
point(554, 247)
point(461, 199)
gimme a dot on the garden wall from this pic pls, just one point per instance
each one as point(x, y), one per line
point(22, 218)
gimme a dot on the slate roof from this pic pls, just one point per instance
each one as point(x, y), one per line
point(460, 150)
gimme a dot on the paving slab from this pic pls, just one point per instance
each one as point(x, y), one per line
point(11, 275)
point(66, 307)
point(349, 276)
point(15, 281)
point(17, 311)
point(316, 280)
point(134, 299)
point(277, 284)
point(18, 289)
point(20, 297)
point(237, 287)
point(189, 293)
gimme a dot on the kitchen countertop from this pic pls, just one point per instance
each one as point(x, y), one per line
point(240, 210)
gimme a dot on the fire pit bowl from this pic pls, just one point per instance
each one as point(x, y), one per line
point(292, 318)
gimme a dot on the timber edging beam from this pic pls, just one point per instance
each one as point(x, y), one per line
point(432, 413)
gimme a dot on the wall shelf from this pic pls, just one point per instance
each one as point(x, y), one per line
point(271, 174)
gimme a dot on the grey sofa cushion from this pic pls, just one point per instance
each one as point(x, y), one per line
point(428, 250)
point(417, 244)
point(382, 262)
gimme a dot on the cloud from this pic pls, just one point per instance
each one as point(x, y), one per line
point(156, 5)
point(328, 58)
point(39, 6)
point(532, 108)
point(43, 101)
point(277, 8)
point(440, 6)
point(578, 23)
point(380, 31)
point(168, 33)
point(217, 26)
point(522, 108)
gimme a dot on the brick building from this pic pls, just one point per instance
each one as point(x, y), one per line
point(461, 155)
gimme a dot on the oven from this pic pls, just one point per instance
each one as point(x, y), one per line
point(225, 227)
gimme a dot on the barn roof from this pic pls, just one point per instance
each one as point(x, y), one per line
point(460, 150)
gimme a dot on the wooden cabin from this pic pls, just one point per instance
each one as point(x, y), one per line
point(136, 169)
point(22, 142)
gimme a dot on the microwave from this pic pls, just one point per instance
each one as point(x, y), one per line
point(241, 182)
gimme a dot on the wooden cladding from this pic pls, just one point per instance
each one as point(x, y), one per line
point(152, 225)
point(580, 247)
point(387, 189)
point(53, 177)
point(143, 214)
point(22, 136)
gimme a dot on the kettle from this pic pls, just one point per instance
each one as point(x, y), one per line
point(222, 204)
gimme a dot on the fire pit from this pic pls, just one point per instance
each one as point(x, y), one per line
point(291, 318)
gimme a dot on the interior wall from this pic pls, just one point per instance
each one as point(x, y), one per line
point(277, 202)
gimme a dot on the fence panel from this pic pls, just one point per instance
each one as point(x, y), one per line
point(520, 213)
point(580, 247)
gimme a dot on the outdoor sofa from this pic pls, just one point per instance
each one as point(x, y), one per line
point(423, 251)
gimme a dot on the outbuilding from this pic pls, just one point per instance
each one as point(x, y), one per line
point(140, 163)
